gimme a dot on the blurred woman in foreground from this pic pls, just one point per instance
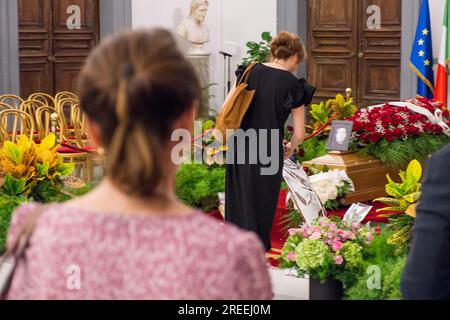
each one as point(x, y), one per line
point(131, 238)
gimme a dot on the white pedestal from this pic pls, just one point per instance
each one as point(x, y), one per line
point(288, 287)
point(201, 63)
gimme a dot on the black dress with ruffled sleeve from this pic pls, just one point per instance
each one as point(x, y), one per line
point(253, 186)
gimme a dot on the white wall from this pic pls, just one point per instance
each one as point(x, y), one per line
point(231, 22)
point(245, 20)
point(437, 18)
point(437, 8)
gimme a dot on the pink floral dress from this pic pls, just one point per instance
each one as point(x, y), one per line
point(78, 254)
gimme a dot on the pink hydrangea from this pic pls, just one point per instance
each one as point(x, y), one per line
point(339, 260)
point(356, 226)
point(323, 222)
point(293, 232)
point(337, 245)
point(315, 236)
point(316, 229)
point(291, 256)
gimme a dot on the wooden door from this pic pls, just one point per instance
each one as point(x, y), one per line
point(35, 46)
point(51, 54)
point(332, 42)
point(344, 53)
point(379, 56)
point(71, 47)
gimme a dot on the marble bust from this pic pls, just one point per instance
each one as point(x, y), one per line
point(194, 28)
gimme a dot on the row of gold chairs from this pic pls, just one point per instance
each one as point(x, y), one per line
point(41, 114)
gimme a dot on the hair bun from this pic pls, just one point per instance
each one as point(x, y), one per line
point(286, 44)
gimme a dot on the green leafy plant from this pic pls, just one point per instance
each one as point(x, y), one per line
point(320, 114)
point(29, 172)
point(403, 199)
point(404, 194)
point(198, 185)
point(390, 261)
point(258, 51)
point(339, 107)
point(312, 148)
point(342, 106)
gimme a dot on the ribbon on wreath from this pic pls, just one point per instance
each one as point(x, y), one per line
point(436, 118)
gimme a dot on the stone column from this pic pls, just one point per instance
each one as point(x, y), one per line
point(9, 48)
point(201, 64)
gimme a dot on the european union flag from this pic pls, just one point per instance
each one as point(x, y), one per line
point(422, 54)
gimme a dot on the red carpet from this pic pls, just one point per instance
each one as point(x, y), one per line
point(277, 236)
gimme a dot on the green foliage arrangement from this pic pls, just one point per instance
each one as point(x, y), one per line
point(340, 107)
point(258, 51)
point(312, 149)
point(198, 185)
point(398, 153)
point(390, 261)
point(403, 198)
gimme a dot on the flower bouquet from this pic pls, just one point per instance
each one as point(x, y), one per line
point(331, 187)
point(327, 250)
point(398, 134)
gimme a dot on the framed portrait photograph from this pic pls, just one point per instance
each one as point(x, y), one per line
point(341, 132)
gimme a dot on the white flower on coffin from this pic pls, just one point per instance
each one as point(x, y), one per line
point(325, 190)
point(326, 184)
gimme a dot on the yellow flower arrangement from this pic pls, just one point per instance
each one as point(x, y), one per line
point(29, 172)
point(29, 164)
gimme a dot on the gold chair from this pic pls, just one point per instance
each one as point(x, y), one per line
point(65, 109)
point(65, 95)
point(14, 124)
point(70, 153)
point(30, 106)
point(5, 106)
point(12, 100)
point(43, 97)
point(43, 120)
point(80, 127)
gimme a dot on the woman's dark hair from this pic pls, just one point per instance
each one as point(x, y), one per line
point(134, 86)
point(287, 44)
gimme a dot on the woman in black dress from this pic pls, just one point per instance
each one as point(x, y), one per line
point(251, 195)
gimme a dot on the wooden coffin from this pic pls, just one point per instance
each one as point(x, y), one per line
point(367, 173)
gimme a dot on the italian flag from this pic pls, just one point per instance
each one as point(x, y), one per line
point(440, 93)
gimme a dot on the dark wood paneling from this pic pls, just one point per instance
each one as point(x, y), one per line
point(332, 27)
point(51, 55)
point(345, 53)
point(35, 38)
point(379, 56)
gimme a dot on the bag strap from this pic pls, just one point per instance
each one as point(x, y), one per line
point(246, 74)
point(15, 252)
